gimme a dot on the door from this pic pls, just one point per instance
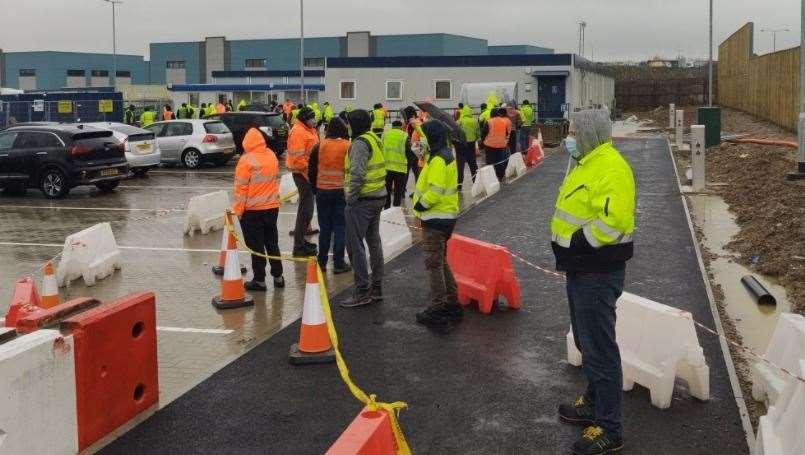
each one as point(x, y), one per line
point(32, 148)
point(6, 144)
point(550, 97)
point(175, 135)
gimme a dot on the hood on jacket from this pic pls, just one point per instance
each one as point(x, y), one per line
point(359, 121)
point(254, 141)
point(337, 129)
point(466, 111)
point(436, 133)
point(593, 128)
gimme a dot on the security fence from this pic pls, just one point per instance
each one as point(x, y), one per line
point(62, 107)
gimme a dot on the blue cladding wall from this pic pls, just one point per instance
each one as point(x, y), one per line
point(280, 54)
point(51, 67)
point(429, 45)
point(190, 53)
point(463, 45)
point(518, 49)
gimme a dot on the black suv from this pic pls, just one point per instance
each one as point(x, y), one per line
point(56, 158)
point(271, 124)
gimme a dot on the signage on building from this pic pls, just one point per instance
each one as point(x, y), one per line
point(39, 105)
point(105, 106)
point(65, 107)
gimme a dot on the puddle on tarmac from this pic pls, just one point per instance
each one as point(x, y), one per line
point(754, 322)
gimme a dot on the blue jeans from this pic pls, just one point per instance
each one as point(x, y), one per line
point(592, 298)
point(330, 204)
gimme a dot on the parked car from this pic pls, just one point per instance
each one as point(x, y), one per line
point(140, 145)
point(270, 123)
point(57, 158)
point(193, 142)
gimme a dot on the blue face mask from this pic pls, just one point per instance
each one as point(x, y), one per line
point(572, 147)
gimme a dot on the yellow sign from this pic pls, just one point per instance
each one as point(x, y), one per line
point(65, 107)
point(105, 106)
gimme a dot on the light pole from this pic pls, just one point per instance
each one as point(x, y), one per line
point(710, 61)
point(774, 32)
point(799, 173)
point(582, 26)
point(114, 42)
point(302, 50)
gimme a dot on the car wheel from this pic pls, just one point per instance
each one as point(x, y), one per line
point(107, 187)
point(191, 158)
point(53, 183)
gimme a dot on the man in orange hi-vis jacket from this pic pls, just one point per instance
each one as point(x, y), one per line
point(257, 202)
point(301, 139)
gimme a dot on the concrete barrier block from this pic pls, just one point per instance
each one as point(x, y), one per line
point(91, 254)
point(486, 182)
point(287, 187)
point(658, 343)
point(394, 232)
point(516, 167)
point(785, 349)
point(780, 430)
point(38, 400)
point(205, 212)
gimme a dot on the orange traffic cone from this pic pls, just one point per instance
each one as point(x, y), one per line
point(314, 340)
point(50, 289)
point(233, 295)
point(228, 241)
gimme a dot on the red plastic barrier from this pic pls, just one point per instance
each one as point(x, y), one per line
point(24, 301)
point(115, 364)
point(483, 271)
point(41, 317)
point(534, 155)
point(369, 434)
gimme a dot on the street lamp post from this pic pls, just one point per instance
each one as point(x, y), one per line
point(302, 51)
point(710, 61)
point(114, 42)
point(774, 32)
point(799, 173)
point(582, 26)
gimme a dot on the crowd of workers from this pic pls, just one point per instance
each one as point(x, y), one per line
point(361, 167)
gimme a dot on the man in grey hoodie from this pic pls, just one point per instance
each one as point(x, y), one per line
point(365, 191)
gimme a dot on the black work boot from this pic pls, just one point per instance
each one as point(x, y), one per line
point(304, 252)
point(579, 412)
point(343, 269)
point(279, 282)
point(453, 312)
point(596, 441)
point(255, 285)
point(433, 317)
point(357, 300)
point(377, 293)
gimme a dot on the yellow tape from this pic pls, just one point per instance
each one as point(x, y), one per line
point(288, 196)
point(392, 409)
point(231, 228)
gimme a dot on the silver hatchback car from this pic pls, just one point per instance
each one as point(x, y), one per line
point(192, 142)
point(142, 151)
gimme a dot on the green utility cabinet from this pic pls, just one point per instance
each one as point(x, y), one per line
point(710, 117)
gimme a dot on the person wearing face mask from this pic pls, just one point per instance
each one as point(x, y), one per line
point(365, 192)
point(301, 139)
point(592, 228)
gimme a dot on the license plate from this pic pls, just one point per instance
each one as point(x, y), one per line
point(228, 151)
point(144, 149)
point(109, 172)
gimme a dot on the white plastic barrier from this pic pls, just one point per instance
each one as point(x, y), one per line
point(38, 399)
point(516, 167)
point(206, 212)
point(786, 348)
point(486, 182)
point(657, 344)
point(287, 186)
point(780, 430)
point(91, 253)
point(394, 232)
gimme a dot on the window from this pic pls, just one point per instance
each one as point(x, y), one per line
point(175, 64)
point(27, 72)
point(443, 90)
point(216, 128)
point(156, 128)
point(37, 140)
point(124, 74)
point(7, 140)
point(347, 90)
point(178, 129)
point(76, 73)
point(394, 90)
point(314, 62)
point(256, 63)
point(100, 73)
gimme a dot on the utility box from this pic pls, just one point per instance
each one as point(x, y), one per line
point(697, 157)
point(710, 117)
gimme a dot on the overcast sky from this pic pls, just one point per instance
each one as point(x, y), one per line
point(617, 29)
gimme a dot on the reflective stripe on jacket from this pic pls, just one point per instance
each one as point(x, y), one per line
point(527, 113)
point(330, 171)
point(394, 150)
point(256, 176)
point(378, 119)
point(375, 177)
point(437, 189)
point(301, 140)
point(499, 130)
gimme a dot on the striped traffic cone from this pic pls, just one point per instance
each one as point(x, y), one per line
point(228, 241)
point(233, 294)
point(50, 288)
point(314, 340)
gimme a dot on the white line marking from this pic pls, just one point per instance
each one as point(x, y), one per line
point(31, 244)
point(140, 248)
point(111, 209)
point(157, 187)
point(192, 330)
point(193, 172)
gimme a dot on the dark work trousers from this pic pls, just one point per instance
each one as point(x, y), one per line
point(260, 234)
point(592, 297)
point(443, 289)
point(363, 223)
point(513, 142)
point(525, 132)
point(331, 204)
point(304, 214)
point(466, 154)
point(498, 157)
point(413, 165)
point(395, 185)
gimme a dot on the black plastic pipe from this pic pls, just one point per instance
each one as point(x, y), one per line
point(760, 293)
